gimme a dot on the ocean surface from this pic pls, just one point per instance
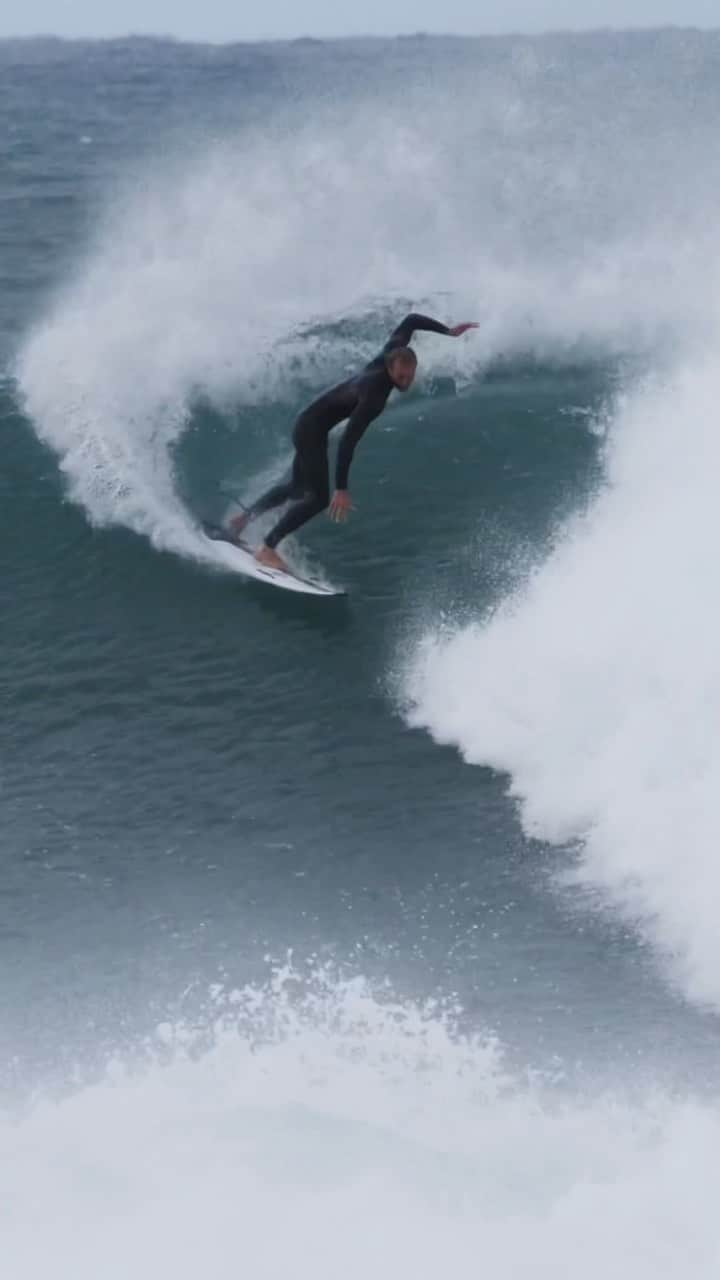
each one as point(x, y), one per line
point(372, 936)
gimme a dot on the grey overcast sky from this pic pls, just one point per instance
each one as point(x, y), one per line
point(219, 20)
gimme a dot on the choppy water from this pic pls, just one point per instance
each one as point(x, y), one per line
point(376, 934)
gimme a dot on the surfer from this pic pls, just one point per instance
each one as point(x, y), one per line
point(360, 399)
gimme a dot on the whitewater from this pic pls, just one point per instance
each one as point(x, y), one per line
point(595, 684)
point(339, 1131)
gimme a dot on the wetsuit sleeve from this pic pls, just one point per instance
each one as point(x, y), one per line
point(357, 425)
point(401, 336)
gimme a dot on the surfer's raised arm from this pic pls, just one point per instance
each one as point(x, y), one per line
point(416, 323)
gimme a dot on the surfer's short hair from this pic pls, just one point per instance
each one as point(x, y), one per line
point(401, 355)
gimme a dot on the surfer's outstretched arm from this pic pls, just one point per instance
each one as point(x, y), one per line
point(414, 323)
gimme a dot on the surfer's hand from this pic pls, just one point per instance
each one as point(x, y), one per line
point(341, 506)
point(459, 329)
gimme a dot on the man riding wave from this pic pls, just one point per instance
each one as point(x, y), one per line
point(360, 399)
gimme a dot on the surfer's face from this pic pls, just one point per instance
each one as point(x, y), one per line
point(402, 373)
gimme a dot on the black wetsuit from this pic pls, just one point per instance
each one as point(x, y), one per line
point(360, 400)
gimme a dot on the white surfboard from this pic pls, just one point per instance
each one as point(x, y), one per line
point(248, 565)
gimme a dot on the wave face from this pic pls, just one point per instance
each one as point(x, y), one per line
point(561, 191)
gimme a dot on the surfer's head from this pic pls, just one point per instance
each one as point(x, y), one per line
point(402, 367)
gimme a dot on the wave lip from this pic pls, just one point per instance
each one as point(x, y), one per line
point(232, 269)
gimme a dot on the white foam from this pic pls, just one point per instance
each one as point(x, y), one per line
point(207, 267)
point(597, 685)
point(356, 1137)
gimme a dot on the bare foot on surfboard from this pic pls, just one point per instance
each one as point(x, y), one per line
point(269, 559)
